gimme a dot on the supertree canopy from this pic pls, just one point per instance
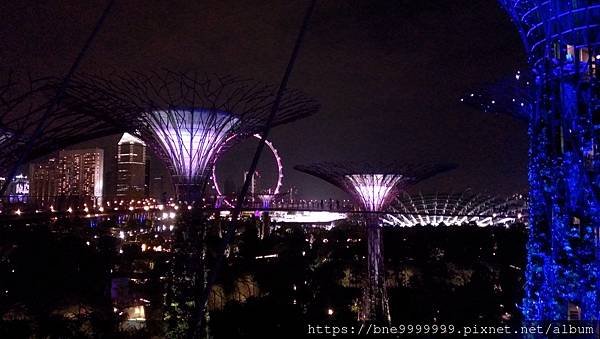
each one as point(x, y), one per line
point(187, 119)
point(555, 28)
point(373, 186)
point(562, 40)
point(374, 190)
point(190, 138)
point(510, 95)
point(455, 209)
point(25, 105)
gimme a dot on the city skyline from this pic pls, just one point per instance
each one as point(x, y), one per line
point(191, 169)
point(382, 94)
point(159, 173)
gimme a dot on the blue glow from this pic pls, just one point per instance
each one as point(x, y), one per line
point(563, 271)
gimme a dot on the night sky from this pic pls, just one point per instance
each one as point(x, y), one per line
point(388, 74)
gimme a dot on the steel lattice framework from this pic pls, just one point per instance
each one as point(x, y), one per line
point(542, 23)
point(373, 186)
point(22, 108)
point(185, 118)
point(455, 209)
point(562, 40)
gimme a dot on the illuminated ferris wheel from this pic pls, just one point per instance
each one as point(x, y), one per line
point(274, 190)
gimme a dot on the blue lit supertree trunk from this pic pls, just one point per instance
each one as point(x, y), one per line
point(562, 40)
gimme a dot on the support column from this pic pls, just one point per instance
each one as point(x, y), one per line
point(375, 300)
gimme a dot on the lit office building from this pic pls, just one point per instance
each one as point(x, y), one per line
point(131, 167)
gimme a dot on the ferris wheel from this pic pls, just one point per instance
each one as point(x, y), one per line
point(273, 190)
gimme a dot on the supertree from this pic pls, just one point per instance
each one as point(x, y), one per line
point(562, 41)
point(455, 209)
point(266, 198)
point(185, 118)
point(373, 186)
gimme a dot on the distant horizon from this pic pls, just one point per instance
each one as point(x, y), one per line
point(159, 169)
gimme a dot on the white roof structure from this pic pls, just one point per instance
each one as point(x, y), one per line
point(454, 209)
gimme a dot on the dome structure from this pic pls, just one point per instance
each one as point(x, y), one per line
point(455, 209)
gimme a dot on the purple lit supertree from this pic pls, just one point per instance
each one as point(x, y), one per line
point(185, 118)
point(373, 186)
point(266, 198)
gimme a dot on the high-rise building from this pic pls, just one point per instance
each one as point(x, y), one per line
point(82, 172)
point(45, 180)
point(131, 167)
point(74, 174)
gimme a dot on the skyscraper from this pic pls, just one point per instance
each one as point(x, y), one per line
point(74, 176)
point(45, 180)
point(82, 172)
point(131, 167)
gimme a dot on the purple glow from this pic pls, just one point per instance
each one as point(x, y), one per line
point(269, 144)
point(374, 190)
point(266, 200)
point(190, 139)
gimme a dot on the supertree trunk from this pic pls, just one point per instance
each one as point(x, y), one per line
point(562, 275)
point(563, 46)
point(375, 301)
point(373, 187)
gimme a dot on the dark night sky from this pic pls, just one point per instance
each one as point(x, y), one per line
point(388, 74)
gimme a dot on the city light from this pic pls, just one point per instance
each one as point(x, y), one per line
point(231, 251)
